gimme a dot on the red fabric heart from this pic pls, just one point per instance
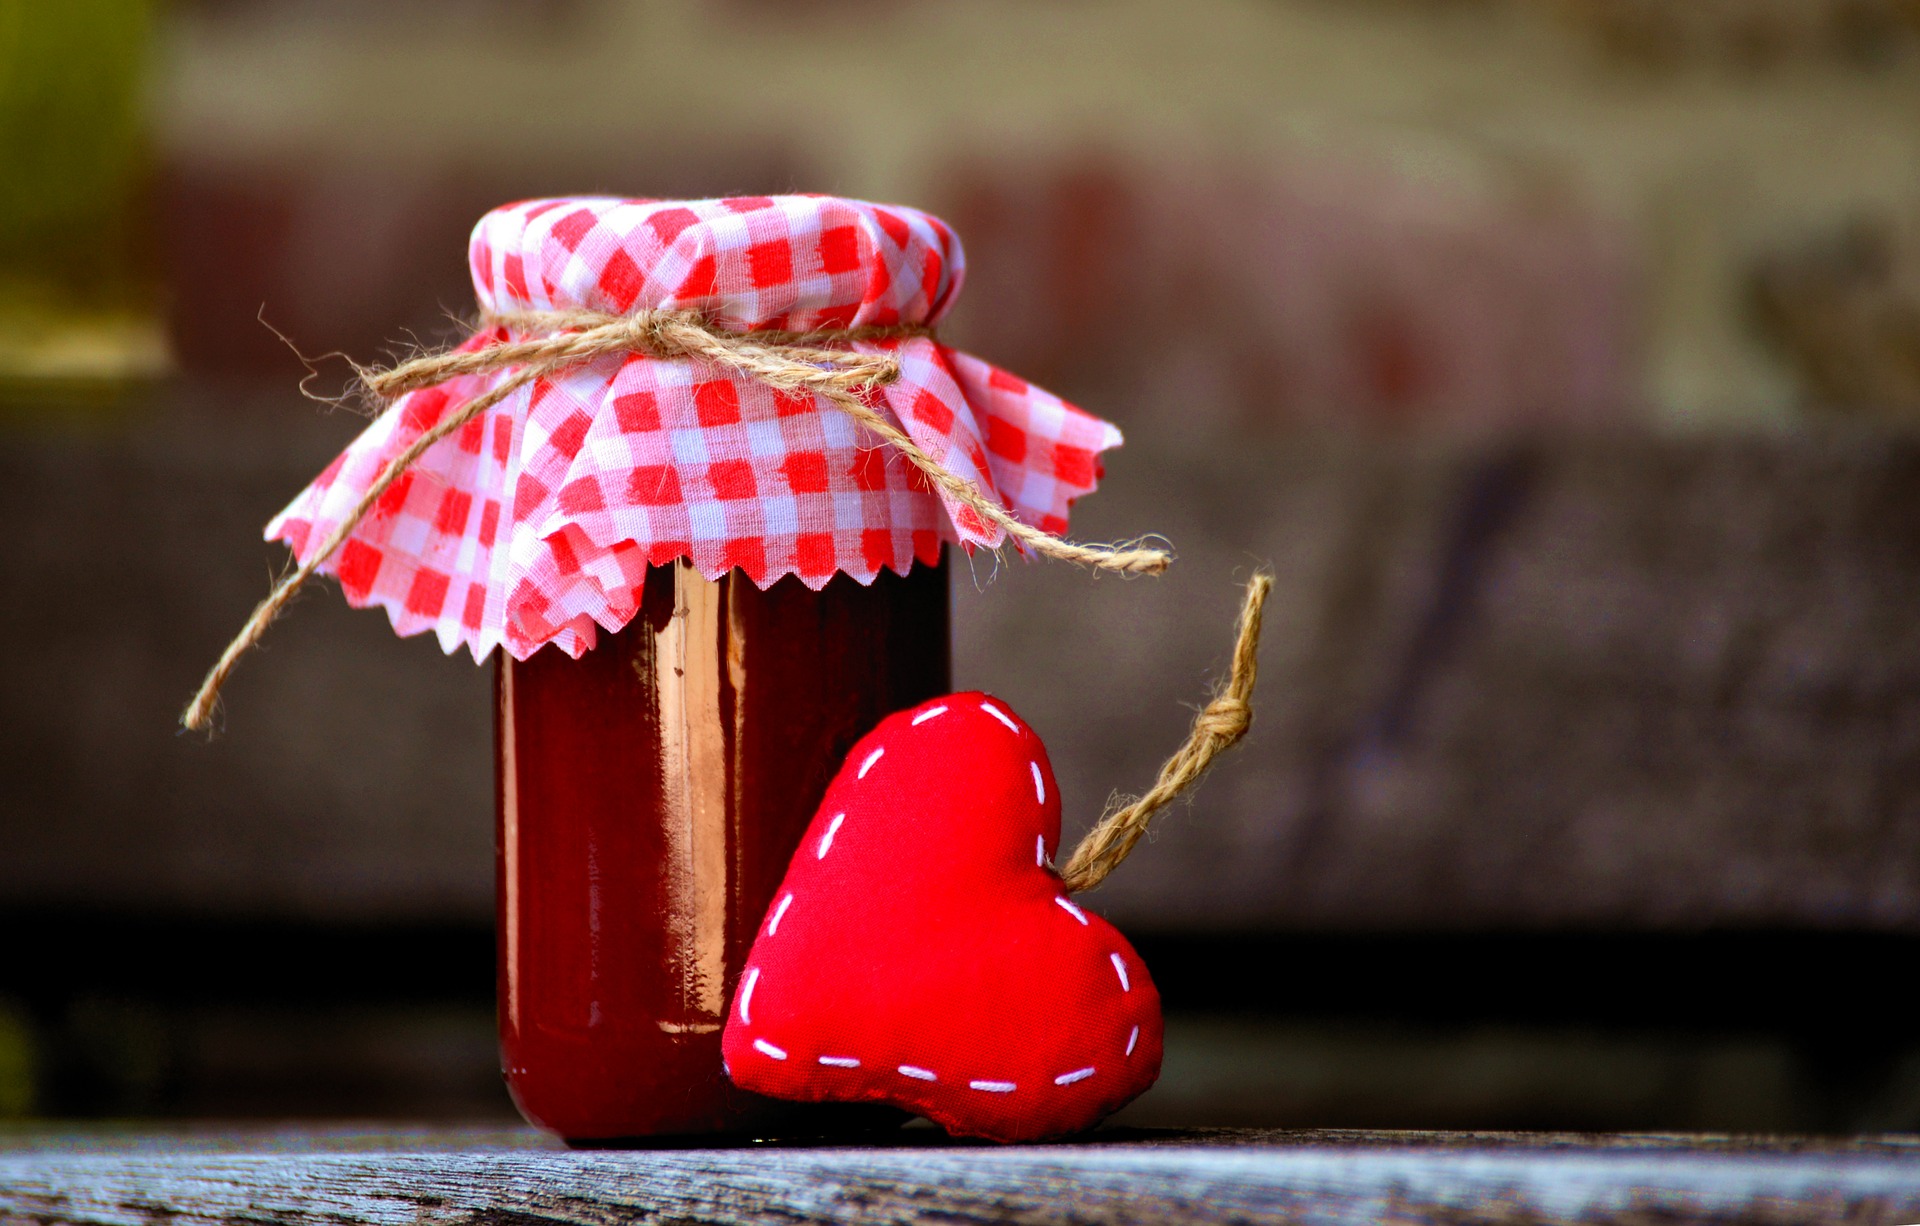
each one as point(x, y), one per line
point(922, 952)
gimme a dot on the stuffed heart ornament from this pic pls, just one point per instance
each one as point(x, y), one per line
point(923, 953)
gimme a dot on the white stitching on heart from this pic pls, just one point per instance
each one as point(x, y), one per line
point(746, 996)
point(1000, 715)
point(826, 840)
point(1039, 859)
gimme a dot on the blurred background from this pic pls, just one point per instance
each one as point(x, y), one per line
point(1562, 358)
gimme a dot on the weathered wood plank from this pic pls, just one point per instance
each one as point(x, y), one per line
point(1322, 1179)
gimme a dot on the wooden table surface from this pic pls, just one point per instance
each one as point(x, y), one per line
point(424, 1177)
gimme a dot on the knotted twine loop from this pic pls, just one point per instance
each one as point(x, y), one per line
point(1215, 730)
point(784, 361)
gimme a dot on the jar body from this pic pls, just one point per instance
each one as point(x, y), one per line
point(650, 796)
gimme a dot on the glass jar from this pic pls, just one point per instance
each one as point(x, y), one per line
point(650, 796)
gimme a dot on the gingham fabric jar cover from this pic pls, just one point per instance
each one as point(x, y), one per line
point(535, 523)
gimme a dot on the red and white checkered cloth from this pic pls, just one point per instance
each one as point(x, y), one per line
point(536, 522)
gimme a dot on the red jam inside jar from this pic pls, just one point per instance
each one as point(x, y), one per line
point(650, 795)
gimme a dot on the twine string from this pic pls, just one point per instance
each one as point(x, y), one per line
point(784, 361)
point(1220, 724)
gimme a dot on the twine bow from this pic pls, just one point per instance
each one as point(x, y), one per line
point(784, 361)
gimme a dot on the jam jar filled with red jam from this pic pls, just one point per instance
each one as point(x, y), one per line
point(650, 795)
